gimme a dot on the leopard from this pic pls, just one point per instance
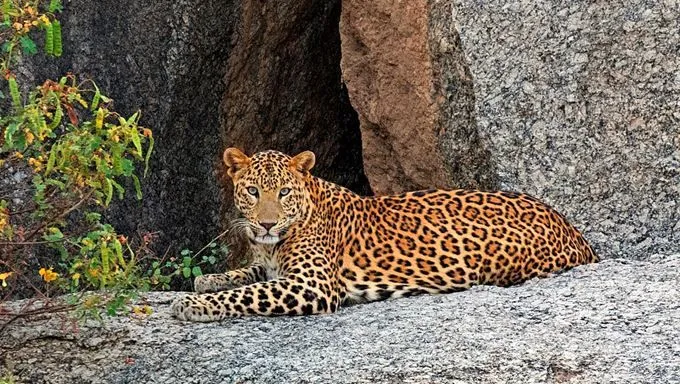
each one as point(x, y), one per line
point(319, 246)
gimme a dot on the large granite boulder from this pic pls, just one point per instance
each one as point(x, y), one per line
point(613, 322)
point(576, 103)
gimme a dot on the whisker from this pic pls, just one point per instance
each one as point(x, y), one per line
point(240, 226)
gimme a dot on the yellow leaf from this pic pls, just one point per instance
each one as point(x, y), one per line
point(134, 135)
point(29, 136)
point(144, 310)
point(48, 274)
point(4, 219)
point(99, 120)
point(80, 100)
point(91, 301)
point(35, 163)
point(4, 276)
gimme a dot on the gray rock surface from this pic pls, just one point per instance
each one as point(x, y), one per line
point(580, 104)
point(613, 322)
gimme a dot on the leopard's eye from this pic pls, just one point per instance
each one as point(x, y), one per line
point(253, 191)
point(284, 192)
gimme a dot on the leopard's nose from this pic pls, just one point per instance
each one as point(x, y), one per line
point(267, 226)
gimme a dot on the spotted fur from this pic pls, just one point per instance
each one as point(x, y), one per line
point(320, 245)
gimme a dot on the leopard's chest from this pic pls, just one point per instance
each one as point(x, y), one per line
point(265, 255)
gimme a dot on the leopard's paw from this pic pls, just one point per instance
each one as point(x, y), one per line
point(212, 283)
point(203, 284)
point(180, 308)
point(198, 308)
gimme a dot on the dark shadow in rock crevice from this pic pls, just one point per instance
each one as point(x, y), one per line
point(284, 91)
point(284, 88)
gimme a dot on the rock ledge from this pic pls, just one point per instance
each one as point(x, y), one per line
point(613, 322)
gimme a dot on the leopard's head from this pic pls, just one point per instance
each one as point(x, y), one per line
point(270, 191)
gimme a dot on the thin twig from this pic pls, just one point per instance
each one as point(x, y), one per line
point(60, 216)
point(30, 242)
point(212, 241)
point(15, 213)
point(35, 312)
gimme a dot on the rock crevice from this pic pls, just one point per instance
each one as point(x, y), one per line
point(399, 91)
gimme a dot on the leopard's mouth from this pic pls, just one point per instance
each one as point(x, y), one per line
point(266, 236)
point(267, 239)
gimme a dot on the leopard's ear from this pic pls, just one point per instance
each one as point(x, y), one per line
point(303, 162)
point(235, 161)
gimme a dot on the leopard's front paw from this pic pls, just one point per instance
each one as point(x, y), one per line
point(180, 308)
point(212, 283)
point(203, 284)
point(204, 307)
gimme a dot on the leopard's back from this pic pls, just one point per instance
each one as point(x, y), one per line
point(442, 241)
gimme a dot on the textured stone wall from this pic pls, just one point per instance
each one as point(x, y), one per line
point(580, 104)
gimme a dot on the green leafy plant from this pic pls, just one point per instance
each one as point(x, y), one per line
point(7, 378)
point(191, 266)
point(65, 153)
point(187, 267)
point(20, 18)
point(79, 151)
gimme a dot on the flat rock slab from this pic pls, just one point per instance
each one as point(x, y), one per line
point(614, 322)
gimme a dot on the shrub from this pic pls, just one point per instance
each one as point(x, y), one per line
point(69, 153)
point(65, 153)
